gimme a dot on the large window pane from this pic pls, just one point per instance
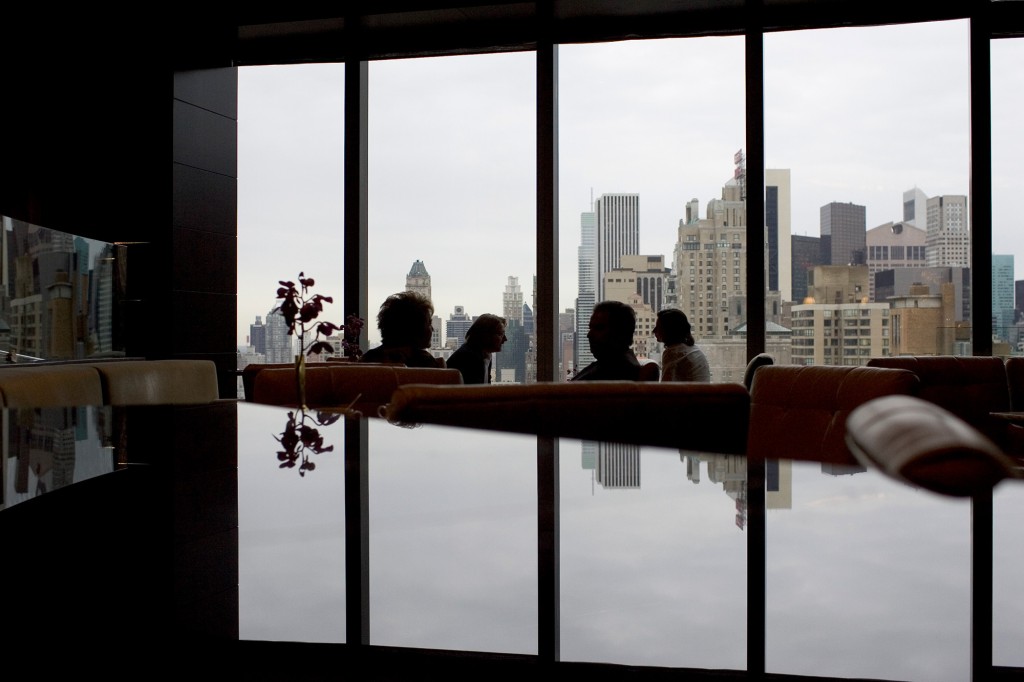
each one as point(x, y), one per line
point(452, 195)
point(1007, 185)
point(648, 133)
point(290, 146)
point(872, 126)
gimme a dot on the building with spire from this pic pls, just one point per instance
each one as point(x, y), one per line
point(418, 280)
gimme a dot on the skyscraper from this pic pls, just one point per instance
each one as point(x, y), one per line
point(843, 234)
point(418, 279)
point(948, 239)
point(258, 336)
point(280, 347)
point(806, 254)
point(512, 301)
point(618, 231)
point(1002, 296)
point(778, 228)
point(588, 286)
point(915, 208)
point(458, 324)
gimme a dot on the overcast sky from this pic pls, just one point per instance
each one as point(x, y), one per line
point(857, 115)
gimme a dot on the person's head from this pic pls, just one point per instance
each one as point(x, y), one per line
point(406, 319)
point(672, 327)
point(487, 333)
point(611, 329)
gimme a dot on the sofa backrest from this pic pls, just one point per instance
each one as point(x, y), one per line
point(971, 387)
point(703, 417)
point(53, 385)
point(799, 412)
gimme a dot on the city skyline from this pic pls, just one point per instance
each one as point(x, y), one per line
point(669, 140)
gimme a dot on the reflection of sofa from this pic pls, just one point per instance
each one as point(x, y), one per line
point(109, 382)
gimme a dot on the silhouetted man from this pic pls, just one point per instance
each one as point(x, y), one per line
point(611, 338)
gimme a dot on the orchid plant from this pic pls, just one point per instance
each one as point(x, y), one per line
point(301, 310)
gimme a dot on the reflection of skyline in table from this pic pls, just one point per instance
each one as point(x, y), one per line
point(49, 448)
point(450, 555)
point(648, 574)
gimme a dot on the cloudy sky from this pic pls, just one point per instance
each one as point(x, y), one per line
point(857, 115)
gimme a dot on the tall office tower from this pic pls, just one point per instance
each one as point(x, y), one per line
point(1018, 297)
point(806, 254)
point(586, 296)
point(618, 231)
point(778, 228)
point(894, 245)
point(915, 208)
point(646, 276)
point(709, 264)
point(510, 363)
point(458, 324)
point(280, 347)
point(948, 238)
point(512, 301)
point(843, 234)
point(418, 280)
point(1002, 296)
point(258, 336)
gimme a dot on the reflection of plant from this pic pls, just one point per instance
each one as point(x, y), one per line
point(300, 438)
point(300, 313)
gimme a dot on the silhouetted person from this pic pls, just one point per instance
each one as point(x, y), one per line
point(611, 337)
point(405, 321)
point(682, 359)
point(473, 358)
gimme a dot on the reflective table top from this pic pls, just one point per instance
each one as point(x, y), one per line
point(863, 576)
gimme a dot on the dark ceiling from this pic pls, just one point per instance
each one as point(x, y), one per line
point(381, 29)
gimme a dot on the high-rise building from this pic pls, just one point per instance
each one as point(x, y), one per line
point(512, 301)
point(258, 336)
point(586, 296)
point(778, 228)
point(894, 245)
point(922, 322)
point(709, 263)
point(459, 323)
point(617, 217)
point(915, 208)
point(418, 280)
point(840, 333)
point(948, 239)
point(280, 347)
point(806, 254)
point(843, 234)
point(1002, 296)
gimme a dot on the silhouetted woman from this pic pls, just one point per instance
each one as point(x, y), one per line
point(682, 359)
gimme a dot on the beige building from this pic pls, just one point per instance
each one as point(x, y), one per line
point(639, 274)
point(840, 333)
point(710, 263)
point(894, 245)
point(835, 284)
point(923, 323)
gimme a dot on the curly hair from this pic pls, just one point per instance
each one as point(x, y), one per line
point(401, 317)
